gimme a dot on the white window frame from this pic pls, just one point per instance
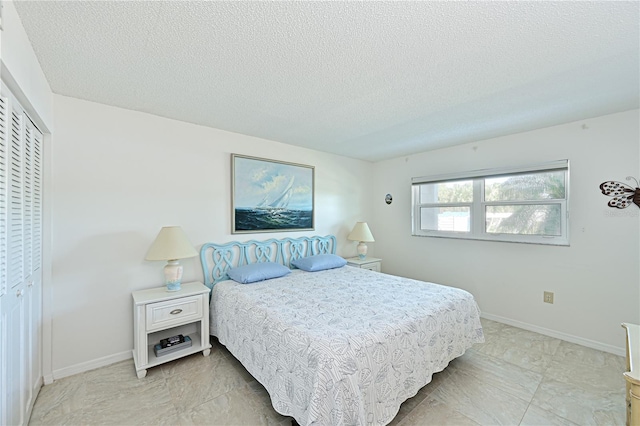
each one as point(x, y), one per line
point(478, 205)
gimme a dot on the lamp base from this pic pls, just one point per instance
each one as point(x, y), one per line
point(362, 250)
point(174, 287)
point(173, 275)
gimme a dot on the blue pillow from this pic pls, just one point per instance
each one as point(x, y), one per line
point(257, 272)
point(319, 262)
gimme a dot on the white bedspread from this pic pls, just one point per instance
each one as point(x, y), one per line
point(343, 346)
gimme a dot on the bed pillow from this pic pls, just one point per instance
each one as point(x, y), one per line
point(257, 272)
point(319, 262)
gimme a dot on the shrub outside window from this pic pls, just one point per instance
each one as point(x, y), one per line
point(526, 204)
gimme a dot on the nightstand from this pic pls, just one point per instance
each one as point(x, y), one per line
point(159, 313)
point(370, 263)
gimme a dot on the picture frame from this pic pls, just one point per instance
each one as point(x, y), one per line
point(271, 196)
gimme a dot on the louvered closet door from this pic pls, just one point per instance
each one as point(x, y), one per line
point(21, 257)
point(16, 199)
point(4, 147)
point(32, 226)
point(14, 306)
point(3, 194)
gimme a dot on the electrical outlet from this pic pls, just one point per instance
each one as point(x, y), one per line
point(548, 297)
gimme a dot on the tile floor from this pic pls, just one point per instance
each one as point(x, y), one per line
point(516, 377)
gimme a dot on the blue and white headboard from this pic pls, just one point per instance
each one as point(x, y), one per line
point(218, 258)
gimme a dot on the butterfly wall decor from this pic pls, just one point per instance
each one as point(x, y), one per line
point(623, 195)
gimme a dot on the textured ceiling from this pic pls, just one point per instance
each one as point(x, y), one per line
point(369, 80)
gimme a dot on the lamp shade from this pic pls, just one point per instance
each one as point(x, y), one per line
point(171, 244)
point(361, 232)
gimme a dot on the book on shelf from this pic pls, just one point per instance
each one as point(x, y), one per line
point(172, 346)
point(172, 341)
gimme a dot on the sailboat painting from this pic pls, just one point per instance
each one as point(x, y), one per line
point(271, 196)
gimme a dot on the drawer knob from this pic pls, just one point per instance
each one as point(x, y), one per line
point(175, 311)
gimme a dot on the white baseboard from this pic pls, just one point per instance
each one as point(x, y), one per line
point(48, 379)
point(122, 356)
point(559, 335)
point(91, 365)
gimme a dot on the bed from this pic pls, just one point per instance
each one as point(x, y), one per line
point(340, 346)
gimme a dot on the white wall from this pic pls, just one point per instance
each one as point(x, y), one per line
point(119, 176)
point(595, 280)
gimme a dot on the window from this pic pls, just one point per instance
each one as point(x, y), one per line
point(527, 205)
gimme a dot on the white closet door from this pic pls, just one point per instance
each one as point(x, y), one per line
point(16, 199)
point(27, 198)
point(4, 161)
point(14, 308)
point(14, 302)
point(20, 272)
point(37, 199)
point(32, 237)
point(4, 332)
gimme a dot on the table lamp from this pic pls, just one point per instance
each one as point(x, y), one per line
point(362, 233)
point(171, 244)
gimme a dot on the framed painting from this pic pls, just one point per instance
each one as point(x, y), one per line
point(270, 196)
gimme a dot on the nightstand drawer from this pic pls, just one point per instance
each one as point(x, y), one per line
point(371, 263)
point(372, 266)
point(173, 312)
